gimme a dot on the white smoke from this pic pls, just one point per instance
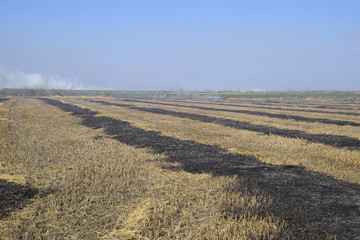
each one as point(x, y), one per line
point(18, 79)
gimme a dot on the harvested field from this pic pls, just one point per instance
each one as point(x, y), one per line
point(106, 168)
point(289, 108)
point(268, 114)
point(338, 104)
point(333, 140)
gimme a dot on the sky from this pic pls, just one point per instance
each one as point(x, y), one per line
point(257, 45)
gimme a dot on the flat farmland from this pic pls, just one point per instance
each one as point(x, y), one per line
point(137, 168)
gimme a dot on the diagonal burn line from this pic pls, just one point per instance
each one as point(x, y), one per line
point(311, 105)
point(273, 115)
point(328, 139)
point(270, 108)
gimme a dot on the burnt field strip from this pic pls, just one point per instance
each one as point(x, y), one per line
point(314, 103)
point(269, 108)
point(273, 115)
point(314, 206)
point(3, 99)
point(328, 139)
point(14, 196)
point(336, 106)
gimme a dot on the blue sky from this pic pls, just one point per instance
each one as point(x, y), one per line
point(180, 45)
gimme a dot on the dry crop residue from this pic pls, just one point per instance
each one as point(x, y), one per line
point(312, 204)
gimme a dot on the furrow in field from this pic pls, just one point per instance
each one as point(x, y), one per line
point(332, 140)
point(309, 200)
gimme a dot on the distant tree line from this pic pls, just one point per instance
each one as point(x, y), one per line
point(350, 95)
point(31, 92)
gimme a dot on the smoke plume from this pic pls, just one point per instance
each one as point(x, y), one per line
point(11, 78)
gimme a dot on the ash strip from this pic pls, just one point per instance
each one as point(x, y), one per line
point(267, 107)
point(273, 115)
point(328, 139)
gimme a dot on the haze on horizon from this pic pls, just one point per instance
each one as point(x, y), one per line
point(188, 45)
